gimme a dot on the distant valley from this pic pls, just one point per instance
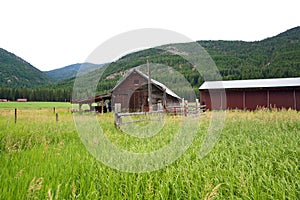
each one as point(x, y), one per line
point(71, 71)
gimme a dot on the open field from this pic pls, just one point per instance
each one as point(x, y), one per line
point(257, 157)
point(35, 105)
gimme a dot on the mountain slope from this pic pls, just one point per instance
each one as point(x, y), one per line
point(16, 72)
point(274, 57)
point(71, 71)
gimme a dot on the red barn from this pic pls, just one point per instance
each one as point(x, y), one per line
point(251, 94)
point(132, 93)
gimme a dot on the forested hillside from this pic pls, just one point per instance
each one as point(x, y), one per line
point(274, 57)
point(16, 72)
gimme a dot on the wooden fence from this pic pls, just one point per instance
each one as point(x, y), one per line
point(185, 109)
point(118, 117)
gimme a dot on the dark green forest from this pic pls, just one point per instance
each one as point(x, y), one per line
point(274, 57)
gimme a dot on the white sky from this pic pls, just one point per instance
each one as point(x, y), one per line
point(51, 34)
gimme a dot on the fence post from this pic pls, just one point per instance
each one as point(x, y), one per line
point(182, 107)
point(15, 115)
point(118, 119)
point(102, 106)
point(197, 103)
point(186, 108)
point(53, 109)
point(56, 117)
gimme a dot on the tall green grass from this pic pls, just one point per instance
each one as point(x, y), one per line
point(256, 157)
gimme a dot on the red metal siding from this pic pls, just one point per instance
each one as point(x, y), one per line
point(297, 94)
point(235, 99)
point(212, 99)
point(281, 98)
point(255, 99)
point(205, 99)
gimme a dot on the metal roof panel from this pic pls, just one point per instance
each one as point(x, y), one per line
point(251, 83)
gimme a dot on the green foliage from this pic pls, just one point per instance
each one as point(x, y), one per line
point(36, 94)
point(276, 57)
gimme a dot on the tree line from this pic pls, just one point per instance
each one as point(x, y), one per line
point(36, 94)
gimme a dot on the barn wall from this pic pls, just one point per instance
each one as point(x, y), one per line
point(235, 99)
point(282, 98)
point(205, 99)
point(255, 99)
point(125, 90)
point(297, 95)
point(133, 96)
point(252, 99)
point(213, 99)
point(172, 101)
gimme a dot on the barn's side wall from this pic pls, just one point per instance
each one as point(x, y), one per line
point(124, 91)
point(133, 96)
point(297, 94)
point(251, 99)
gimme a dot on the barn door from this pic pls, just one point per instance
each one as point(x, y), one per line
point(138, 101)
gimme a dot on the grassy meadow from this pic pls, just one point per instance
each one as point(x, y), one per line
point(256, 157)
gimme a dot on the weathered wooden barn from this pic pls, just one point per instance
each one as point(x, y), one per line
point(251, 94)
point(132, 93)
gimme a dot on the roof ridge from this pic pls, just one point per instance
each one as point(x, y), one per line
point(164, 87)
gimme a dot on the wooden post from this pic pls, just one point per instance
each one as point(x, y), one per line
point(56, 117)
point(102, 106)
point(118, 119)
point(15, 115)
point(53, 109)
point(149, 86)
point(165, 98)
point(186, 108)
point(182, 107)
point(197, 103)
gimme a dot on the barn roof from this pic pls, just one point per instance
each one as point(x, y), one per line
point(252, 83)
point(97, 98)
point(155, 82)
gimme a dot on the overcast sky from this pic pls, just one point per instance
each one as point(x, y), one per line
point(51, 34)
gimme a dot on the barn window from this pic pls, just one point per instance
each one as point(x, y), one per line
point(136, 82)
